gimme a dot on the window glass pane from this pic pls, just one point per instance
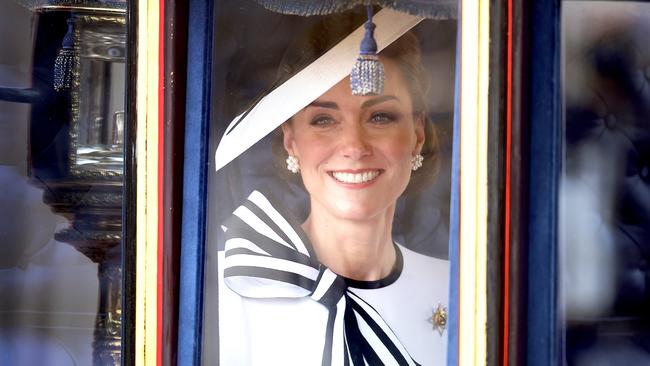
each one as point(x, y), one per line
point(353, 211)
point(605, 194)
point(62, 104)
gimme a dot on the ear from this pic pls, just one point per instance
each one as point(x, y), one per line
point(419, 133)
point(288, 138)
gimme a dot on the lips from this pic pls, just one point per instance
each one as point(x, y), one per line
point(356, 177)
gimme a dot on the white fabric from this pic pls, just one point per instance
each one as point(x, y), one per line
point(287, 332)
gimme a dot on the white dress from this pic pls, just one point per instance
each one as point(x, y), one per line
point(282, 331)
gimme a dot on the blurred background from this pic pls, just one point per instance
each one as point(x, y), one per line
point(605, 189)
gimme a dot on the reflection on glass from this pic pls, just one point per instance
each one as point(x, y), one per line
point(329, 215)
point(605, 197)
point(60, 173)
point(99, 93)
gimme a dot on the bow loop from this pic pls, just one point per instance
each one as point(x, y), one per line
point(265, 257)
point(329, 288)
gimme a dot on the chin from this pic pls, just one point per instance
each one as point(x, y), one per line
point(356, 211)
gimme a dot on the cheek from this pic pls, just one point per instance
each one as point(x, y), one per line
point(312, 152)
point(400, 148)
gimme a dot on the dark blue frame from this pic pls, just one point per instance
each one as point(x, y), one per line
point(544, 336)
point(195, 179)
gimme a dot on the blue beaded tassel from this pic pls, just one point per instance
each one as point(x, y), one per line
point(367, 76)
point(65, 60)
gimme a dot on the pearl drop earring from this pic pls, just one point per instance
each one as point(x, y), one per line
point(292, 164)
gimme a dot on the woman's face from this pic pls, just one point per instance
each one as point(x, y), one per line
point(355, 152)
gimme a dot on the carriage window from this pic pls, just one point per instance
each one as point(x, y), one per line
point(62, 122)
point(605, 191)
point(328, 208)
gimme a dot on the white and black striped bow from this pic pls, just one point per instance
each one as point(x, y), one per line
point(266, 257)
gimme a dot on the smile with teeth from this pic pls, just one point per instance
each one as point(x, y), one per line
point(355, 178)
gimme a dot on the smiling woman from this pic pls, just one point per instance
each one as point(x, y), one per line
point(311, 270)
point(355, 156)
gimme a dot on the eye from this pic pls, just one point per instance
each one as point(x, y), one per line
point(322, 120)
point(383, 117)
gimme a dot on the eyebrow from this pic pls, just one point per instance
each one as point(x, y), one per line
point(321, 104)
point(367, 104)
point(370, 102)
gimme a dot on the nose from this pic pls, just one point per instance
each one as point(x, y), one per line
point(354, 142)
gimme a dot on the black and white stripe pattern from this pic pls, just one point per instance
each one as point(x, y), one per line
point(266, 257)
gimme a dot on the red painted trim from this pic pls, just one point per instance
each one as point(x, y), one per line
point(161, 172)
point(506, 236)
